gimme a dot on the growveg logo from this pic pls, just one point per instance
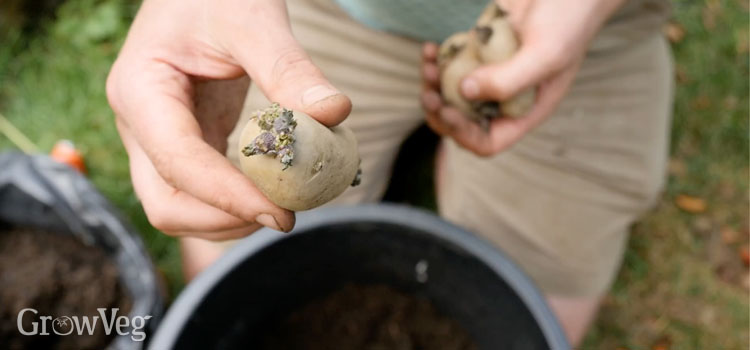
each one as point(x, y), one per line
point(67, 325)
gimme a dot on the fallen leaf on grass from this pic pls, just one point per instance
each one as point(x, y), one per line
point(729, 235)
point(690, 204)
point(674, 32)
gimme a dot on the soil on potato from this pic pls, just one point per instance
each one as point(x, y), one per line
point(368, 318)
point(58, 276)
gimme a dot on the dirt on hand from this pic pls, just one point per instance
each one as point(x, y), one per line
point(57, 275)
point(368, 318)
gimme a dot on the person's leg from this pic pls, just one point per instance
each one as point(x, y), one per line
point(560, 202)
point(575, 314)
point(378, 71)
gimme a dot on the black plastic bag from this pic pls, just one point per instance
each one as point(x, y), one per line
point(37, 192)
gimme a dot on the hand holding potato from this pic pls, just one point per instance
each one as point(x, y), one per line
point(297, 163)
point(492, 40)
point(177, 88)
point(552, 40)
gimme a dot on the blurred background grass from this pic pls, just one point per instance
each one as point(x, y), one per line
point(684, 282)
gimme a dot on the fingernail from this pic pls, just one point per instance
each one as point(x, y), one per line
point(269, 221)
point(317, 93)
point(470, 88)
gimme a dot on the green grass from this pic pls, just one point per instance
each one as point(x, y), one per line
point(681, 284)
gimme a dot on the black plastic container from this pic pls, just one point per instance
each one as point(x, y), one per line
point(38, 192)
point(269, 274)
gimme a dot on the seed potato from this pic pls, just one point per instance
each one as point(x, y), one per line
point(457, 58)
point(315, 167)
point(491, 41)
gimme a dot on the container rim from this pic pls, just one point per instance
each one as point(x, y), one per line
point(189, 299)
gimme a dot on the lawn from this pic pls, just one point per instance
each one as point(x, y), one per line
point(684, 284)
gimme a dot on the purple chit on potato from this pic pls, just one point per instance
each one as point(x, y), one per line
point(277, 139)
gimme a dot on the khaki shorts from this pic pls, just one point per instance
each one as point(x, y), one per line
point(559, 202)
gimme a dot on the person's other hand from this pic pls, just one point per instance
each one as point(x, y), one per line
point(553, 37)
point(177, 88)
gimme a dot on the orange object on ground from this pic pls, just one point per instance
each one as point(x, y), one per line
point(745, 254)
point(65, 152)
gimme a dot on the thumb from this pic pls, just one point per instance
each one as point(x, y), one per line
point(501, 81)
point(285, 73)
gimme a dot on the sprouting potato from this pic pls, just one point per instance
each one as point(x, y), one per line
point(489, 13)
point(298, 163)
point(491, 41)
point(497, 42)
point(456, 59)
point(454, 46)
point(450, 84)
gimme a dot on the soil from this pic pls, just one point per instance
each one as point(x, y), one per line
point(368, 318)
point(58, 275)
